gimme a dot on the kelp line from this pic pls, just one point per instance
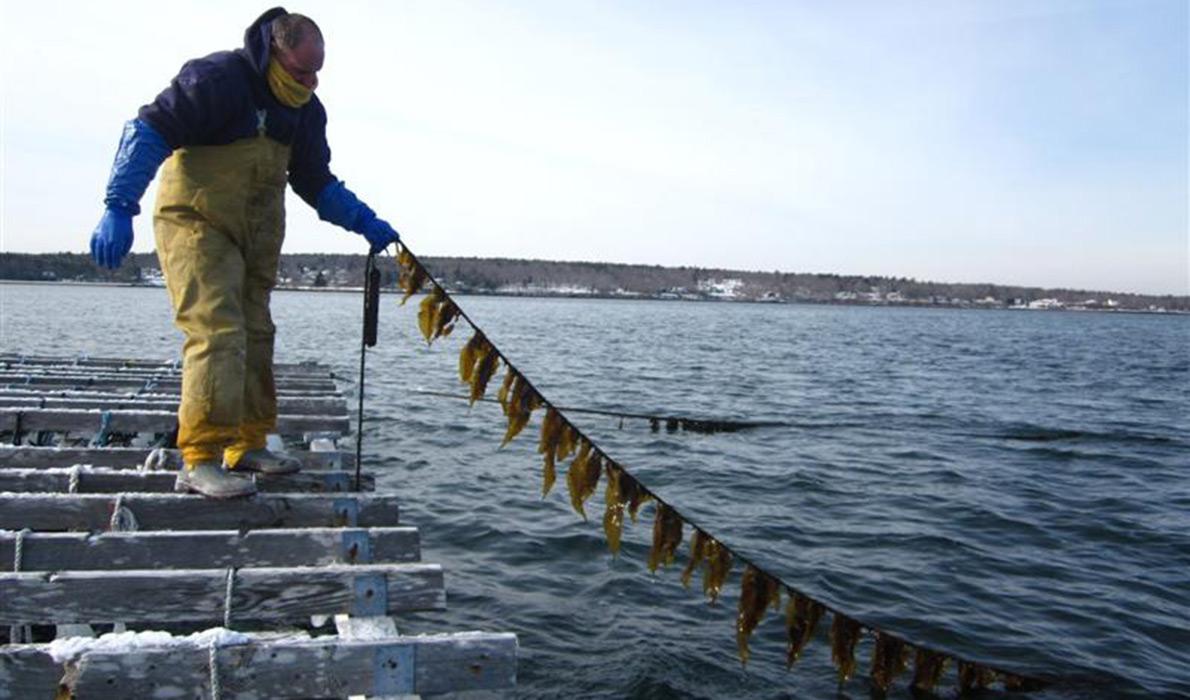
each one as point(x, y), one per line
point(479, 360)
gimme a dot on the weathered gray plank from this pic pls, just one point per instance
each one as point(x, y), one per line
point(17, 379)
point(124, 402)
point(271, 667)
point(89, 512)
point(27, 457)
point(8, 360)
point(61, 419)
point(123, 385)
point(198, 595)
point(101, 480)
point(79, 551)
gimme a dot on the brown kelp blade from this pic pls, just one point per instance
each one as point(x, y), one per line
point(801, 618)
point(427, 313)
point(718, 565)
point(635, 493)
point(973, 676)
point(551, 431)
point(511, 379)
point(469, 354)
point(844, 636)
point(889, 658)
point(576, 478)
point(520, 408)
point(484, 369)
point(667, 535)
point(444, 322)
point(928, 667)
point(758, 591)
point(698, 543)
point(613, 514)
point(412, 276)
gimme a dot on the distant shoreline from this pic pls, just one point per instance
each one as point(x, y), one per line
point(615, 297)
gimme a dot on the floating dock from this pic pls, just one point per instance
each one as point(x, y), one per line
point(291, 593)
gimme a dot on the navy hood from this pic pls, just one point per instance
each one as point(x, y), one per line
point(258, 39)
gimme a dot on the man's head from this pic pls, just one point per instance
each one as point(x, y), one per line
point(297, 46)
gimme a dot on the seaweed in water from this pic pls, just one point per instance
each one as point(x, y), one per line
point(889, 659)
point(583, 477)
point(801, 618)
point(613, 516)
point(551, 430)
point(844, 636)
point(758, 591)
point(667, 535)
point(928, 667)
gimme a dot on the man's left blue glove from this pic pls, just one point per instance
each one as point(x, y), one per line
point(341, 207)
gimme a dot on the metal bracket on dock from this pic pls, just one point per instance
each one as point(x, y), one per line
point(392, 670)
point(357, 547)
point(371, 595)
point(346, 512)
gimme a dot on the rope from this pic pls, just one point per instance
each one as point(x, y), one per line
point(73, 485)
point(213, 647)
point(597, 451)
point(227, 593)
point(213, 664)
point(154, 461)
point(18, 634)
point(123, 519)
point(671, 423)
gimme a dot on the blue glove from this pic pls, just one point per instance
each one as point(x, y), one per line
point(112, 239)
point(142, 150)
point(339, 205)
point(379, 234)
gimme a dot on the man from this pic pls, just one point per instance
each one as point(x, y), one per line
point(231, 128)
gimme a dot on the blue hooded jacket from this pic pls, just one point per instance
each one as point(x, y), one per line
point(217, 99)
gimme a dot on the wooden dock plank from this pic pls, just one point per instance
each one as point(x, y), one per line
point(101, 480)
point(9, 360)
point(91, 512)
point(28, 379)
point(269, 666)
point(80, 551)
point(29, 457)
point(197, 595)
point(61, 419)
point(25, 399)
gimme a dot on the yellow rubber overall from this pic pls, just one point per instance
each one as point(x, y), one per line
point(219, 223)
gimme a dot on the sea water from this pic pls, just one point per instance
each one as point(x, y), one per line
point(1009, 486)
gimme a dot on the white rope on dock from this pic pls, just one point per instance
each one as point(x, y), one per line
point(73, 485)
point(18, 634)
point(227, 593)
point(213, 664)
point(123, 519)
point(155, 460)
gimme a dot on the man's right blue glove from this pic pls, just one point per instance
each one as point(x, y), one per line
point(142, 150)
point(341, 207)
point(112, 238)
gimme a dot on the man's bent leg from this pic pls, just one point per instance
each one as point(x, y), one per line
point(204, 272)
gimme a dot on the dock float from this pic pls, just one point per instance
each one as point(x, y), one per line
point(293, 593)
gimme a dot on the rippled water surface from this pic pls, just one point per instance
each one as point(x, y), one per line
point(1009, 486)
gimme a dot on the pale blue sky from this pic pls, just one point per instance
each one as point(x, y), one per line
point(1018, 142)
